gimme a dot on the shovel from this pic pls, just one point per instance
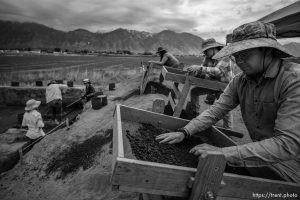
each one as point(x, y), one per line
point(73, 103)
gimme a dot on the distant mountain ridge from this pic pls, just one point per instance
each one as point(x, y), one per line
point(16, 35)
point(294, 47)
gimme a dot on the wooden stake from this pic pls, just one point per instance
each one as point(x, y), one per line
point(68, 123)
point(185, 91)
point(209, 175)
point(21, 156)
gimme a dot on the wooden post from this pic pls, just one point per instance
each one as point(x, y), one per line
point(152, 197)
point(21, 156)
point(68, 123)
point(158, 106)
point(147, 72)
point(185, 91)
point(209, 176)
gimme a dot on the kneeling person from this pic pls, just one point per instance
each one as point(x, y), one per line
point(33, 120)
point(89, 90)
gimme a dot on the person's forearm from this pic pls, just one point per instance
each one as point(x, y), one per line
point(262, 153)
point(212, 71)
point(212, 115)
point(157, 62)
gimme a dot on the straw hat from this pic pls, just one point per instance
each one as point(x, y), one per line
point(210, 43)
point(253, 35)
point(32, 104)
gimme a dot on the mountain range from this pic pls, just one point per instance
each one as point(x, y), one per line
point(294, 47)
point(17, 35)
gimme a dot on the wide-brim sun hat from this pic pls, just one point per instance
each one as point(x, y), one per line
point(253, 35)
point(32, 104)
point(160, 49)
point(210, 43)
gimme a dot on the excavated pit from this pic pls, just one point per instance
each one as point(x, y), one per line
point(78, 156)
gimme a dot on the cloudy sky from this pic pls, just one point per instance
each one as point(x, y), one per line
point(205, 18)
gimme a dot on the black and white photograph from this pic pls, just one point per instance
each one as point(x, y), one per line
point(149, 100)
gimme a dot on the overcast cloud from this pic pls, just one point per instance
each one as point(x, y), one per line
point(205, 18)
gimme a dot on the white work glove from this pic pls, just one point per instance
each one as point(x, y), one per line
point(194, 70)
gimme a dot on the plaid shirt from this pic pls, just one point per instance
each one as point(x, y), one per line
point(214, 69)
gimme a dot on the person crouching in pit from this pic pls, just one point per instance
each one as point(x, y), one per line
point(33, 120)
point(89, 90)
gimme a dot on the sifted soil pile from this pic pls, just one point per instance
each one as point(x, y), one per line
point(145, 147)
point(79, 155)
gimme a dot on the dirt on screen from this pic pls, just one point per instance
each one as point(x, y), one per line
point(145, 147)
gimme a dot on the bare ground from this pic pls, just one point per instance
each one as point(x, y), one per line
point(51, 169)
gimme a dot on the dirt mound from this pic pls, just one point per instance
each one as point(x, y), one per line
point(78, 155)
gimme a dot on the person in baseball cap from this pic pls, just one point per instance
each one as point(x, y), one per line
point(89, 90)
point(268, 94)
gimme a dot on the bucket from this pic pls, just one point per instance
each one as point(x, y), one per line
point(99, 101)
point(39, 83)
point(111, 86)
point(15, 84)
point(20, 118)
point(70, 83)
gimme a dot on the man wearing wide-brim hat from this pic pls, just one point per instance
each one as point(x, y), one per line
point(268, 93)
point(218, 70)
point(33, 120)
point(166, 58)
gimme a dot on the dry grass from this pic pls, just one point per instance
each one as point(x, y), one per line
point(98, 76)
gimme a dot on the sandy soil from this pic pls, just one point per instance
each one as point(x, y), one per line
point(34, 180)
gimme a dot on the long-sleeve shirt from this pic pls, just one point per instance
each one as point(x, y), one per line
point(89, 91)
point(34, 121)
point(213, 69)
point(169, 60)
point(271, 112)
point(53, 92)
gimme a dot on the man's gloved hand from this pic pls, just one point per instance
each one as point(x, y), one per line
point(194, 70)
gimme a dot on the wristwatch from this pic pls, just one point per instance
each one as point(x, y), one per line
point(185, 133)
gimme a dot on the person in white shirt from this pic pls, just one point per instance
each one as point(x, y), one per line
point(54, 100)
point(33, 120)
